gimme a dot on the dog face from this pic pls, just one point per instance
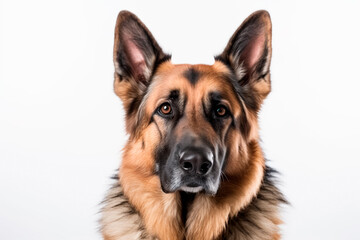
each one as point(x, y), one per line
point(191, 124)
point(194, 108)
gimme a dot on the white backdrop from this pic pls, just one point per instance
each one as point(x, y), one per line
point(62, 130)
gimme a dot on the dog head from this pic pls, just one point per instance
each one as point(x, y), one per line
point(192, 125)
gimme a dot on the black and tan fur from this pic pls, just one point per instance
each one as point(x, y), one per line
point(228, 192)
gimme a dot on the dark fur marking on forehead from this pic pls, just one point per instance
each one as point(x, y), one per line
point(192, 75)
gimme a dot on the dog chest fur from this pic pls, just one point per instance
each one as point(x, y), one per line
point(257, 221)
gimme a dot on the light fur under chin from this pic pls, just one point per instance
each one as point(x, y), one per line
point(191, 189)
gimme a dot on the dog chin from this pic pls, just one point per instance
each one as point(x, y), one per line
point(191, 189)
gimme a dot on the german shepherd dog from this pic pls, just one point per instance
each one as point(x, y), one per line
point(192, 167)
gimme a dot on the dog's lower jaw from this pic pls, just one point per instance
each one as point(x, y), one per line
point(191, 189)
point(208, 188)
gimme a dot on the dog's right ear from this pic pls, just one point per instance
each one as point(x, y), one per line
point(136, 55)
point(248, 54)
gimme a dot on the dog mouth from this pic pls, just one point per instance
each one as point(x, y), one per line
point(190, 185)
point(207, 187)
point(191, 189)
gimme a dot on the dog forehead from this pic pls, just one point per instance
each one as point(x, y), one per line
point(191, 80)
point(192, 84)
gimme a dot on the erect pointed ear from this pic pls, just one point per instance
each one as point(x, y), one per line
point(136, 55)
point(248, 53)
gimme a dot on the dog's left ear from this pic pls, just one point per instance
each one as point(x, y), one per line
point(136, 55)
point(248, 53)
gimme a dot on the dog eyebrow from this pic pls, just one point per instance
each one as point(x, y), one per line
point(215, 96)
point(180, 101)
point(174, 94)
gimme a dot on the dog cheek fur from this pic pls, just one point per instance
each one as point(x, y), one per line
point(130, 92)
point(160, 212)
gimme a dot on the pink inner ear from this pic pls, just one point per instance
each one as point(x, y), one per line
point(136, 58)
point(254, 51)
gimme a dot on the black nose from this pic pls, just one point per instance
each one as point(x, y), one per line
point(195, 162)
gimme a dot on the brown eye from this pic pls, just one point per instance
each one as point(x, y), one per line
point(221, 111)
point(165, 109)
